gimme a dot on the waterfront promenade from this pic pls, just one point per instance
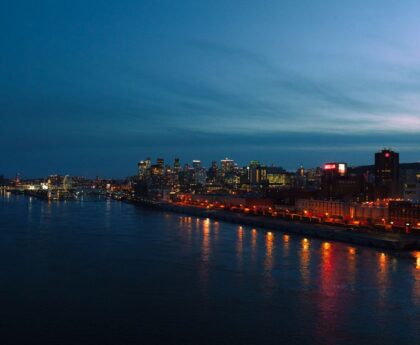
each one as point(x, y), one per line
point(380, 240)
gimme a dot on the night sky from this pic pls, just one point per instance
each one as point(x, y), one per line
point(92, 87)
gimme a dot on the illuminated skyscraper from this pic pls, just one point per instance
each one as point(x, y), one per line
point(200, 174)
point(256, 173)
point(387, 166)
point(227, 165)
point(177, 165)
point(213, 173)
point(144, 168)
point(160, 162)
point(196, 165)
point(333, 177)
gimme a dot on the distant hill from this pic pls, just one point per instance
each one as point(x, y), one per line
point(371, 168)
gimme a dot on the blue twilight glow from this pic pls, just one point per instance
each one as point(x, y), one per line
point(91, 87)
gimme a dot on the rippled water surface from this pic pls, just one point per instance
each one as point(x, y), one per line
point(111, 273)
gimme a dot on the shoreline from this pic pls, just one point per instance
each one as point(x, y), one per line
point(382, 241)
point(377, 240)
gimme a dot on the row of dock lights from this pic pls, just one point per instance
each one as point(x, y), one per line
point(306, 213)
point(325, 245)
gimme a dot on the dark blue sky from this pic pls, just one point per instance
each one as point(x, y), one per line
point(91, 87)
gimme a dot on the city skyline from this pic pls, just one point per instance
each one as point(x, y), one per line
point(169, 161)
point(89, 89)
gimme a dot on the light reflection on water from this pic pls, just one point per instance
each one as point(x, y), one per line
point(206, 250)
point(382, 276)
point(254, 246)
point(329, 269)
point(191, 271)
point(416, 285)
point(417, 257)
point(269, 248)
point(216, 226)
point(240, 247)
point(327, 274)
point(305, 257)
point(268, 281)
point(351, 266)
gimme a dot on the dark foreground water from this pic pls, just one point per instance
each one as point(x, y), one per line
point(111, 273)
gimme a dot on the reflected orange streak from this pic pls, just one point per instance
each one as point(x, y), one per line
point(253, 238)
point(286, 244)
point(239, 244)
point(382, 277)
point(326, 258)
point(382, 259)
point(416, 286)
point(304, 262)
point(305, 244)
point(269, 243)
point(417, 256)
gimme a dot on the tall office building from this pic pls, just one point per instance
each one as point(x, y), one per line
point(144, 168)
point(387, 167)
point(227, 166)
point(177, 165)
point(158, 169)
point(336, 183)
point(410, 181)
point(214, 170)
point(200, 174)
point(160, 162)
point(300, 180)
point(213, 173)
point(256, 173)
point(196, 164)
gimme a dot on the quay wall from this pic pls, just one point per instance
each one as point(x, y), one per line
point(326, 232)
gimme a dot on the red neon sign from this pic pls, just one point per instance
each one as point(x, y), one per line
point(329, 166)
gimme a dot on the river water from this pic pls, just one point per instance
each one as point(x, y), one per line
point(107, 272)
